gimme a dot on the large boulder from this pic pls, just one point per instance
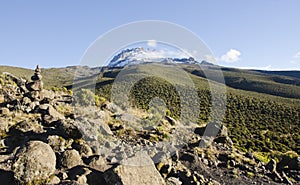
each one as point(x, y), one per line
point(68, 130)
point(88, 126)
point(212, 129)
point(34, 162)
point(137, 170)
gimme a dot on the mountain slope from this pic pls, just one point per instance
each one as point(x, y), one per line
point(255, 81)
point(294, 74)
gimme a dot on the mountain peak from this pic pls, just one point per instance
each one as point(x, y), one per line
point(140, 55)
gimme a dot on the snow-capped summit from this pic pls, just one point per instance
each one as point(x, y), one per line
point(142, 55)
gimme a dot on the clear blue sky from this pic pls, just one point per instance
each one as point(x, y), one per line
point(253, 33)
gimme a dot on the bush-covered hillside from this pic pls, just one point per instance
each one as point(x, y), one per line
point(256, 122)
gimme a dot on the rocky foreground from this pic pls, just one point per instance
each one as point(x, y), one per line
point(47, 137)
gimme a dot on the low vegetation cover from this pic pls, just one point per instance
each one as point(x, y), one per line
point(256, 122)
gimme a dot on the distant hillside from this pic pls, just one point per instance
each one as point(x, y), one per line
point(294, 74)
point(256, 81)
point(54, 77)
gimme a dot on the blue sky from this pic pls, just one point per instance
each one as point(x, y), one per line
point(253, 33)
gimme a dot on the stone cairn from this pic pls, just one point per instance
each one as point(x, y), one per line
point(36, 87)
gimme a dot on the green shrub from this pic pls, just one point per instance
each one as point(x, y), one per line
point(86, 97)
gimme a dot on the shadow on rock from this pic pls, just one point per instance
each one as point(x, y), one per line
point(7, 177)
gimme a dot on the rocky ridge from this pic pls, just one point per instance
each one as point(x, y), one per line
point(50, 138)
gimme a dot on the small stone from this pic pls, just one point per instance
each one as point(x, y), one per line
point(99, 163)
point(57, 143)
point(205, 161)
point(53, 180)
point(25, 101)
point(82, 180)
point(63, 175)
point(68, 182)
point(85, 150)
point(174, 181)
point(232, 163)
point(214, 182)
point(4, 111)
point(4, 125)
point(114, 160)
point(70, 159)
point(271, 166)
point(111, 107)
point(171, 120)
point(2, 99)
